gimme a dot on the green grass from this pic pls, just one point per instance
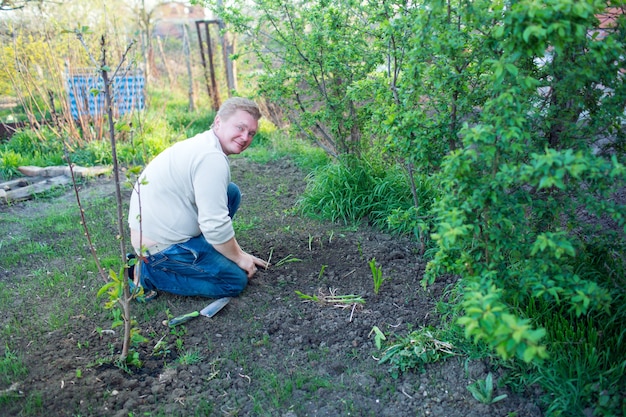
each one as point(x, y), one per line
point(272, 391)
point(190, 357)
point(351, 190)
point(11, 366)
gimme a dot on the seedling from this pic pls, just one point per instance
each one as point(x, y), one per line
point(482, 390)
point(287, 259)
point(379, 336)
point(322, 271)
point(377, 275)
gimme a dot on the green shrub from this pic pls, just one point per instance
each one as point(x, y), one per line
point(9, 162)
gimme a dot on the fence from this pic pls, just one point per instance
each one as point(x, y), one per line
point(86, 93)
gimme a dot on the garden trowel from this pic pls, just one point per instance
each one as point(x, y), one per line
point(208, 311)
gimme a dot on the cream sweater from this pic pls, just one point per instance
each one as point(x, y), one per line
point(185, 195)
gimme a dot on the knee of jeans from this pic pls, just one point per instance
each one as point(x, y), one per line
point(240, 283)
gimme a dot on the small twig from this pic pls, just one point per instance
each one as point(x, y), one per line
point(269, 259)
point(349, 273)
point(352, 312)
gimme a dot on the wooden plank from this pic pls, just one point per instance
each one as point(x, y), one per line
point(27, 192)
point(55, 171)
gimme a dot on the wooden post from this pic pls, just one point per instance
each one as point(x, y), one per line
point(212, 85)
point(216, 95)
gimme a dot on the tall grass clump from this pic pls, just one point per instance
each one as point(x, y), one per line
point(353, 190)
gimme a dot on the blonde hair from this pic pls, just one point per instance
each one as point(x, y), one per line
point(230, 106)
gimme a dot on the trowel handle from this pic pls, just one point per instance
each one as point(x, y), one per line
point(182, 319)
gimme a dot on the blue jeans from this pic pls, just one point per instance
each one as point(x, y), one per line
point(194, 267)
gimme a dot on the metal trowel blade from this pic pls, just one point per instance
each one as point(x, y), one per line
point(214, 308)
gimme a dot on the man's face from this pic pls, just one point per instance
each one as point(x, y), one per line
point(235, 133)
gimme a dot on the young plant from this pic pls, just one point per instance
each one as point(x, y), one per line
point(379, 336)
point(482, 390)
point(288, 259)
point(377, 275)
point(319, 276)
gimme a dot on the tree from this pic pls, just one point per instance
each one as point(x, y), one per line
point(309, 55)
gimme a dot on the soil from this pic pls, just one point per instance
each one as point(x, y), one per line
point(268, 352)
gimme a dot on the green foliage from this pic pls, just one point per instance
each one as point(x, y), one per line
point(317, 52)
point(482, 390)
point(487, 318)
point(117, 291)
point(587, 364)
point(271, 145)
point(415, 350)
point(10, 161)
point(377, 275)
point(190, 357)
point(11, 367)
point(351, 190)
point(379, 336)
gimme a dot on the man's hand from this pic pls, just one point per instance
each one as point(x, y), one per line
point(256, 262)
point(244, 260)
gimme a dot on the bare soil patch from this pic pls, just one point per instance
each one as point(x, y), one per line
point(267, 353)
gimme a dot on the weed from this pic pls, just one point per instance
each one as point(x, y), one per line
point(482, 390)
point(420, 347)
point(161, 348)
point(11, 366)
point(332, 298)
point(287, 259)
point(190, 357)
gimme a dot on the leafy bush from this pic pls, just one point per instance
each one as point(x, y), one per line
point(9, 162)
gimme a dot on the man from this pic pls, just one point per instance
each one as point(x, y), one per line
point(181, 211)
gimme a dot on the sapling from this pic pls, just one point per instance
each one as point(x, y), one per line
point(117, 288)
